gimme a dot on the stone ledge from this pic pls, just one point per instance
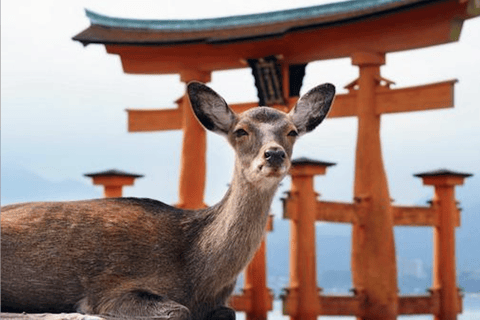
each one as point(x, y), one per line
point(48, 316)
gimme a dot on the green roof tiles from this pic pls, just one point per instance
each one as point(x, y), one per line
point(339, 10)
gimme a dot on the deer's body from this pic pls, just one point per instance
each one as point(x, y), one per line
point(140, 258)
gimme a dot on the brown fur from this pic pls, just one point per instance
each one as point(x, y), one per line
point(140, 258)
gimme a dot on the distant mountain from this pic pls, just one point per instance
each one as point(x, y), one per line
point(21, 185)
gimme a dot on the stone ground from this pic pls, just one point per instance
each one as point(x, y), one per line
point(48, 316)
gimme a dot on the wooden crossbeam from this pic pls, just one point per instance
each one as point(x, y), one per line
point(344, 212)
point(344, 105)
point(431, 96)
point(336, 212)
point(419, 216)
point(341, 305)
point(426, 97)
point(327, 305)
point(421, 304)
point(353, 305)
point(154, 120)
point(425, 304)
point(415, 216)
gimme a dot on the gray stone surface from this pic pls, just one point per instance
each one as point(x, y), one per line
point(48, 316)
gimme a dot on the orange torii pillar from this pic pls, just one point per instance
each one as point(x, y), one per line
point(256, 299)
point(193, 160)
point(302, 299)
point(113, 181)
point(444, 270)
point(373, 249)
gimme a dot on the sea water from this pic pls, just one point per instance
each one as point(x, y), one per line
point(471, 311)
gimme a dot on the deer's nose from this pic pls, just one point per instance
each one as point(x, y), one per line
point(275, 157)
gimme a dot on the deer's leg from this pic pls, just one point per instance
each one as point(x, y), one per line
point(138, 305)
point(222, 313)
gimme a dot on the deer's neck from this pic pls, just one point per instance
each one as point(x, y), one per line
point(237, 227)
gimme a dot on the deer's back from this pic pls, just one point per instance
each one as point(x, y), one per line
point(55, 254)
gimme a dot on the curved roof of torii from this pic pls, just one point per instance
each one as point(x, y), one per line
point(287, 28)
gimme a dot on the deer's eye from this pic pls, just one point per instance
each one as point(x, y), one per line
point(240, 133)
point(292, 133)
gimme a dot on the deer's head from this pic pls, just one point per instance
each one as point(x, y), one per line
point(262, 137)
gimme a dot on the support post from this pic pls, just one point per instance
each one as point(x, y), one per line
point(256, 286)
point(113, 181)
point(373, 249)
point(256, 299)
point(444, 269)
point(112, 191)
point(303, 300)
point(194, 146)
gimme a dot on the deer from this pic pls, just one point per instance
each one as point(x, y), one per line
point(135, 258)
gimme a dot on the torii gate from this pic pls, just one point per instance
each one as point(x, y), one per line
point(365, 32)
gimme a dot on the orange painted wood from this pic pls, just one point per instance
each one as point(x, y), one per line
point(154, 120)
point(307, 170)
point(112, 185)
point(194, 146)
point(192, 161)
point(113, 180)
point(415, 216)
point(373, 248)
point(337, 212)
point(444, 269)
point(344, 105)
point(303, 278)
point(443, 181)
point(342, 305)
point(444, 266)
point(354, 305)
point(426, 97)
point(343, 212)
point(328, 305)
point(302, 297)
point(422, 304)
point(112, 191)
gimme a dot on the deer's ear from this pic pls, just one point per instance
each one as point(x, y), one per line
point(312, 107)
point(210, 108)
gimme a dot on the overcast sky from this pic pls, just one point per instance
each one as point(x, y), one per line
point(63, 104)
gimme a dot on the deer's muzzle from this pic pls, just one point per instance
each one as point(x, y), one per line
point(275, 157)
